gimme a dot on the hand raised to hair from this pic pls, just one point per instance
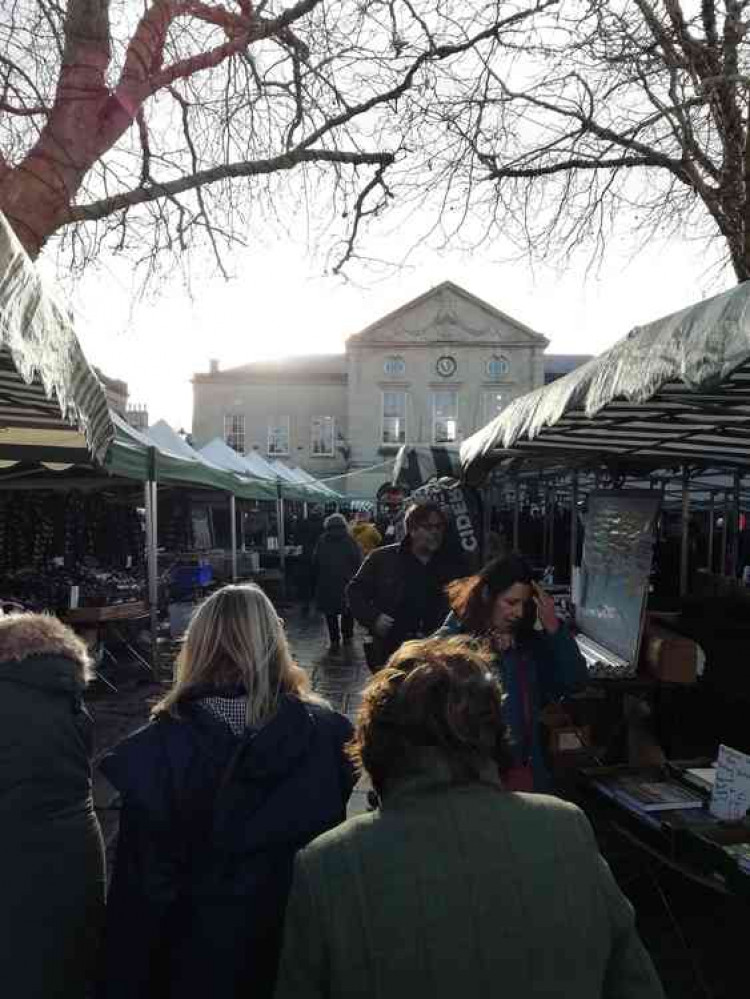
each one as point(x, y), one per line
point(545, 606)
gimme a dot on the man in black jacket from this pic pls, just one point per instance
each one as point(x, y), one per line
point(399, 591)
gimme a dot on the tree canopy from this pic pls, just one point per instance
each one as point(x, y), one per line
point(146, 127)
point(623, 114)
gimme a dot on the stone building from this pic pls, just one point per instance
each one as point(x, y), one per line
point(433, 371)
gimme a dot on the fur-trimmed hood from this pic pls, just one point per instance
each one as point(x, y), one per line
point(42, 636)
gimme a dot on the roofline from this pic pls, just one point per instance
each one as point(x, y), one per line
point(498, 313)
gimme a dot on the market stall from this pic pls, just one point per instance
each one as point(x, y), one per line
point(661, 419)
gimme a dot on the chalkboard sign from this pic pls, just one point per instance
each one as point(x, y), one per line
point(615, 570)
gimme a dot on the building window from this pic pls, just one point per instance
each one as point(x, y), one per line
point(234, 431)
point(395, 367)
point(278, 435)
point(444, 417)
point(394, 418)
point(492, 406)
point(322, 436)
point(498, 366)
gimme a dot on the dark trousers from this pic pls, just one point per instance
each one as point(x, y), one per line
point(347, 626)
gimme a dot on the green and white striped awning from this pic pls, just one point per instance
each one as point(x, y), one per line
point(52, 405)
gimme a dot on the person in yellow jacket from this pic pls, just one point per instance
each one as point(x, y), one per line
point(366, 534)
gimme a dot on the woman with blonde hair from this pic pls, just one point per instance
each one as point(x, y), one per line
point(51, 853)
point(238, 769)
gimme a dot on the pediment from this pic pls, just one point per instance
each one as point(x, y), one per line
point(448, 313)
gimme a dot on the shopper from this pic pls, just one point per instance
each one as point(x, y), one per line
point(534, 655)
point(399, 593)
point(454, 887)
point(239, 767)
point(308, 534)
point(366, 534)
point(52, 876)
point(337, 557)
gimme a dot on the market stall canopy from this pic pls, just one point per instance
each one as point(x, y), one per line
point(165, 437)
point(134, 455)
point(305, 490)
point(52, 405)
point(676, 391)
point(419, 463)
point(221, 454)
point(306, 479)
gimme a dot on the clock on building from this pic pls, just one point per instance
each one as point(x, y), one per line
point(446, 366)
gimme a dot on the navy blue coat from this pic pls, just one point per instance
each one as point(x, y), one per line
point(209, 828)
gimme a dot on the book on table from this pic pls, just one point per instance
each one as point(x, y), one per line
point(650, 794)
point(740, 853)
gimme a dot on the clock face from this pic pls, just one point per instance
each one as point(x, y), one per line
point(446, 366)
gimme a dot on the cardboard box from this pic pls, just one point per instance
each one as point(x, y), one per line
point(670, 657)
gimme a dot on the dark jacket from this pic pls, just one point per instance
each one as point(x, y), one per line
point(392, 581)
point(337, 557)
point(209, 827)
point(552, 666)
point(51, 857)
point(461, 891)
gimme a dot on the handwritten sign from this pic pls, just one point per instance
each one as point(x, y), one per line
point(730, 798)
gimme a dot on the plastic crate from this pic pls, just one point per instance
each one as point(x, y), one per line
point(186, 577)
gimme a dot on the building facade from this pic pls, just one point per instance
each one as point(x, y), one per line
point(432, 372)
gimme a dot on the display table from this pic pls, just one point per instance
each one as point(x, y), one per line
point(114, 612)
point(104, 623)
point(687, 840)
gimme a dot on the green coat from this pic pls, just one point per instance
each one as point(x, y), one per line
point(461, 892)
point(51, 858)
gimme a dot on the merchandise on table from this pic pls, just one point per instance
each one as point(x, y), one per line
point(649, 794)
point(51, 589)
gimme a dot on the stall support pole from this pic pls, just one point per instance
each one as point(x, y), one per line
point(724, 536)
point(152, 570)
point(551, 523)
point(516, 515)
point(233, 533)
point(736, 524)
point(711, 529)
point(573, 527)
point(282, 537)
point(685, 539)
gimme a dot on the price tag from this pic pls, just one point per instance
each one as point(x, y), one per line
point(730, 798)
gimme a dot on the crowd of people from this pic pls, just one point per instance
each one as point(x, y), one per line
point(236, 872)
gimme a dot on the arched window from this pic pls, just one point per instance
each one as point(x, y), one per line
point(498, 366)
point(394, 366)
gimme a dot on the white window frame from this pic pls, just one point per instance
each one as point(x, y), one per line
point(276, 424)
point(505, 365)
point(234, 431)
point(445, 419)
point(322, 423)
point(401, 435)
point(489, 405)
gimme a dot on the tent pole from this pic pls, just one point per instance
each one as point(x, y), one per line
point(573, 526)
point(233, 533)
point(724, 529)
point(736, 523)
point(685, 539)
point(711, 528)
point(486, 495)
point(516, 515)
point(151, 570)
point(551, 546)
point(281, 537)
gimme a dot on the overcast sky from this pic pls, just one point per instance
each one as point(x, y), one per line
point(280, 305)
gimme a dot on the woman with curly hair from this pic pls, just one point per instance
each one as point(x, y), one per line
point(455, 887)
